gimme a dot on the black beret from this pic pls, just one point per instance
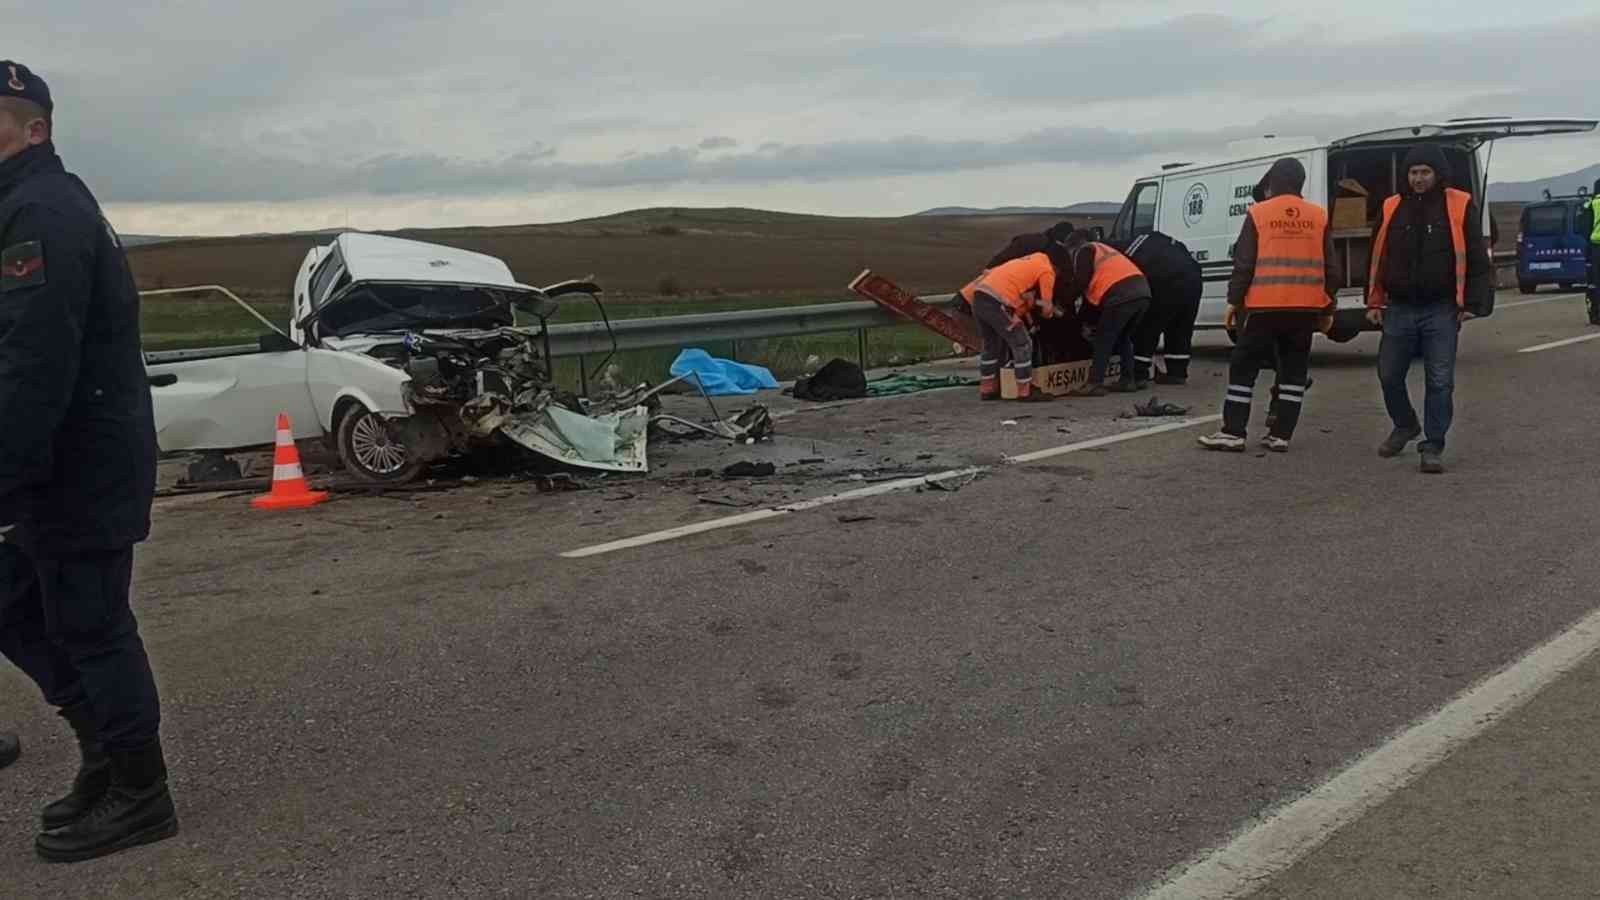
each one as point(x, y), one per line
point(17, 80)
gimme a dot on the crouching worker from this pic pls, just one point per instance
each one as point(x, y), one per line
point(1003, 300)
point(1284, 281)
point(1116, 296)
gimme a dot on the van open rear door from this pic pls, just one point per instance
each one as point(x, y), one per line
point(1471, 132)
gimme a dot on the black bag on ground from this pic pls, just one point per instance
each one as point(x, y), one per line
point(840, 379)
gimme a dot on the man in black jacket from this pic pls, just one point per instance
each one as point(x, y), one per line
point(1175, 288)
point(77, 475)
point(1414, 292)
point(1031, 243)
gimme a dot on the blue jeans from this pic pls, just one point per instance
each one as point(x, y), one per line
point(1429, 331)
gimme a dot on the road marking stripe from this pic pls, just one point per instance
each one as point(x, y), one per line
point(886, 487)
point(759, 515)
point(1554, 344)
point(1281, 838)
point(1113, 439)
point(1550, 299)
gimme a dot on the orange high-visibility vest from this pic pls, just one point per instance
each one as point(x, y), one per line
point(1011, 283)
point(1455, 203)
point(1111, 268)
point(1291, 234)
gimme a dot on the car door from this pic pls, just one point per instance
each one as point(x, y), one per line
point(228, 398)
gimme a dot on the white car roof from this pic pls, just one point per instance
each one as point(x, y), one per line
point(376, 257)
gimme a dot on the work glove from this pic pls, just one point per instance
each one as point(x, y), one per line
point(1229, 316)
point(1375, 315)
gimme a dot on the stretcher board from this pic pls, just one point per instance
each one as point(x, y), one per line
point(1057, 379)
point(891, 296)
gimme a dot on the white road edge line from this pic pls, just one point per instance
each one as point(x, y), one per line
point(1112, 439)
point(900, 484)
point(1550, 299)
point(1554, 344)
point(1279, 839)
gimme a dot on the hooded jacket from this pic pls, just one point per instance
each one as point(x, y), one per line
point(78, 447)
point(1419, 264)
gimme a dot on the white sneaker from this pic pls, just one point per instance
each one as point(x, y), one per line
point(1223, 441)
point(1275, 444)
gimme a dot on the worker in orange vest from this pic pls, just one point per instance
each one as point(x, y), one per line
point(1004, 300)
point(1430, 272)
point(1116, 295)
point(1285, 281)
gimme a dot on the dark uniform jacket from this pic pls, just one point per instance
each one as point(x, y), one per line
point(77, 437)
point(1166, 263)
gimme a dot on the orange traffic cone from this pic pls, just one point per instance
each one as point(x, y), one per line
point(289, 490)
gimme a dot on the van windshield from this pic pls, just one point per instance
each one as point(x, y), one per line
point(1545, 221)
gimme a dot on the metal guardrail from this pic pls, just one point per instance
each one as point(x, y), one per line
point(591, 338)
point(583, 339)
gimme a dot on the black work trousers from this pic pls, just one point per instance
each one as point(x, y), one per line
point(1115, 335)
point(1170, 324)
point(1594, 284)
point(1286, 334)
point(66, 623)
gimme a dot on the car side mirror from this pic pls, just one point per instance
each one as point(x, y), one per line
point(273, 342)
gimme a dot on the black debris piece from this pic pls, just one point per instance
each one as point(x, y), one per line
point(749, 470)
point(1155, 408)
point(848, 520)
point(840, 379)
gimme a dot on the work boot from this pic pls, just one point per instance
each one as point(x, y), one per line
point(1126, 386)
point(1594, 312)
point(989, 388)
point(136, 810)
point(94, 772)
point(1027, 393)
point(1432, 461)
point(1164, 378)
point(1222, 440)
point(1397, 441)
point(1088, 390)
point(10, 749)
point(1275, 444)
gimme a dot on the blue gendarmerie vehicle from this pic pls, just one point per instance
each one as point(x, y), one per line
point(1551, 247)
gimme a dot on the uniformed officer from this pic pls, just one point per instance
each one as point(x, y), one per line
point(77, 475)
point(1175, 288)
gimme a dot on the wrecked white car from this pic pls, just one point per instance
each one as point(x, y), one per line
point(398, 353)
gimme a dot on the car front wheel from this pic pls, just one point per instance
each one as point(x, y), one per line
point(371, 449)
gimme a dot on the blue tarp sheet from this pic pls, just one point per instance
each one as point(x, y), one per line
point(722, 377)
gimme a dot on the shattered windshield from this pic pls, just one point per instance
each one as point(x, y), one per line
point(399, 307)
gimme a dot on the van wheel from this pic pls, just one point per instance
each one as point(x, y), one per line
point(1527, 288)
point(370, 449)
point(1568, 286)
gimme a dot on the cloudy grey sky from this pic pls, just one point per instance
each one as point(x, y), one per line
point(216, 117)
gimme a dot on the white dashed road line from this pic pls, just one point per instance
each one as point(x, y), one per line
point(1279, 839)
point(1555, 344)
point(901, 484)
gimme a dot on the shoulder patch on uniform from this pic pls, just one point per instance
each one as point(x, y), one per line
point(21, 266)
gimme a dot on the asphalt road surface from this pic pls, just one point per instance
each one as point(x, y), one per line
point(1061, 679)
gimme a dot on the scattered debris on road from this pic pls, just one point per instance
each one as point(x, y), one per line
point(1155, 408)
point(749, 470)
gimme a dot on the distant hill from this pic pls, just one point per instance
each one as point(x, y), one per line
point(1533, 191)
point(140, 240)
point(1078, 209)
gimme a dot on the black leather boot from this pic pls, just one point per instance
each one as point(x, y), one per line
point(136, 810)
point(94, 772)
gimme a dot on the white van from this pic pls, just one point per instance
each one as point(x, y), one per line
point(1204, 206)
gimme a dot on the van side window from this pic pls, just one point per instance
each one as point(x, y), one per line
point(1138, 215)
